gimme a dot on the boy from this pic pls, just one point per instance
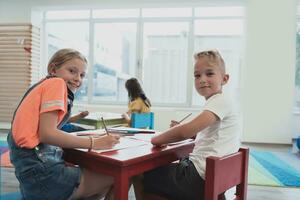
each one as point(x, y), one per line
point(216, 129)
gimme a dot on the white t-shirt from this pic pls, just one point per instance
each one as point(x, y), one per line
point(222, 137)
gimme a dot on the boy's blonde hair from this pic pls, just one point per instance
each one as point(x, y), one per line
point(213, 57)
point(62, 56)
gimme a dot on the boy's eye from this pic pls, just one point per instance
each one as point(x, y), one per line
point(197, 76)
point(210, 74)
point(82, 75)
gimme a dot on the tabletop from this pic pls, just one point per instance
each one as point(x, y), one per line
point(125, 163)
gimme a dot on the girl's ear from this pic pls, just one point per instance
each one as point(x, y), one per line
point(52, 69)
point(225, 79)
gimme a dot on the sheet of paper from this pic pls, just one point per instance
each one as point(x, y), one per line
point(125, 142)
point(96, 132)
point(105, 115)
point(131, 130)
point(143, 137)
point(180, 142)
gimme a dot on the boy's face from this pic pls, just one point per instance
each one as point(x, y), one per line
point(208, 79)
point(72, 71)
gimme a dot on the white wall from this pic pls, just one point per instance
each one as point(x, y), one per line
point(267, 74)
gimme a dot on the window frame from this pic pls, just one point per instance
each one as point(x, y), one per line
point(140, 20)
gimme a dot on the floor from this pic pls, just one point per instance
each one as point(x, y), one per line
point(254, 192)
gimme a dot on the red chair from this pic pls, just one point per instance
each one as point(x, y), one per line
point(226, 172)
point(223, 173)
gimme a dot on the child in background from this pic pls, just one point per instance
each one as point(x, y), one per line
point(217, 134)
point(36, 141)
point(138, 102)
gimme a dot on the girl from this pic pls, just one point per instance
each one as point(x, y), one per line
point(138, 102)
point(36, 141)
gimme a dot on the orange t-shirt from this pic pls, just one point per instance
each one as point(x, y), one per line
point(50, 95)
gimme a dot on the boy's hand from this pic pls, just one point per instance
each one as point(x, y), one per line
point(173, 123)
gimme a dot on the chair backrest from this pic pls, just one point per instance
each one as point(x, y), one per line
point(142, 120)
point(223, 173)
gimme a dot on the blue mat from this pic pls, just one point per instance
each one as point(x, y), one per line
point(274, 169)
point(11, 196)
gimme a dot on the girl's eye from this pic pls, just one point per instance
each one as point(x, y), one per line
point(82, 75)
point(210, 74)
point(197, 76)
point(72, 71)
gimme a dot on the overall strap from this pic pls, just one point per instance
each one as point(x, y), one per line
point(69, 107)
point(70, 102)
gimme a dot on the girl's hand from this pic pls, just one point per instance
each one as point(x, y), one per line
point(173, 123)
point(83, 114)
point(106, 142)
point(126, 117)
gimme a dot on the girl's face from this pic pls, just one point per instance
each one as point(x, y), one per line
point(208, 79)
point(72, 71)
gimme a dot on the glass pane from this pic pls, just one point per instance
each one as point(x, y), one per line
point(231, 48)
point(66, 35)
point(165, 61)
point(115, 13)
point(167, 12)
point(114, 60)
point(298, 11)
point(219, 11)
point(68, 14)
point(297, 75)
point(219, 27)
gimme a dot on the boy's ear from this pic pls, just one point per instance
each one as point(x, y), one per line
point(225, 79)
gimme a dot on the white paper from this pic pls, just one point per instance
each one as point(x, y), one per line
point(125, 142)
point(96, 132)
point(131, 130)
point(180, 142)
point(143, 137)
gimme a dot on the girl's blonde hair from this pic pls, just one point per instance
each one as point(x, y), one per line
point(213, 57)
point(62, 56)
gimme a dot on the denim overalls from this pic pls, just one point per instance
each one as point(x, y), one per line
point(41, 171)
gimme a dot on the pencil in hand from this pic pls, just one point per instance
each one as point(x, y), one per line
point(175, 123)
point(185, 117)
point(104, 126)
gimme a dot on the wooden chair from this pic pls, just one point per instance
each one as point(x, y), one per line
point(226, 172)
point(223, 173)
point(142, 120)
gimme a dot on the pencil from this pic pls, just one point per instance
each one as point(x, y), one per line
point(185, 117)
point(104, 126)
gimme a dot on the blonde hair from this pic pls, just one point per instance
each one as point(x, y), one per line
point(213, 57)
point(62, 56)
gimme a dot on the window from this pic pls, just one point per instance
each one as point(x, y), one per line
point(297, 72)
point(222, 33)
point(297, 75)
point(165, 61)
point(66, 35)
point(156, 45)
point(114, 60)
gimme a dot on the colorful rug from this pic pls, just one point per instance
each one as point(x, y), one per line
point(9, 190)
point(279, 169)
point(4, 154)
